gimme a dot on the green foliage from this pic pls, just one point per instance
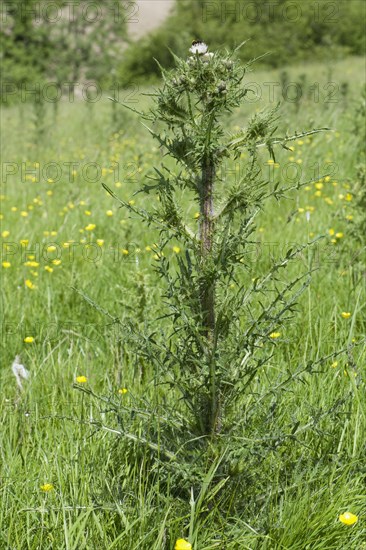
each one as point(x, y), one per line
point(360, 132)
point(62, 43)
point(291, 32)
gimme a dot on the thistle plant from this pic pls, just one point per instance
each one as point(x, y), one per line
point(219, 320)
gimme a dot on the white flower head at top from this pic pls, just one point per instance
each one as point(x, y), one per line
point(198, 47)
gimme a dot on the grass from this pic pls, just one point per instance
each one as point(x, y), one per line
point(106, 492)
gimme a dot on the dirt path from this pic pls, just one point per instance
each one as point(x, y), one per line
point(147, 15)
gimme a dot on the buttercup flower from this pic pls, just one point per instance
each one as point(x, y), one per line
point(29, 284)
point(47, 487)
point(348, 518)
point(81, 379)
point(182, 544)
point(28, 339)
point(122, 391)
point(346, 314)
point(275, 335)
point(198, 47)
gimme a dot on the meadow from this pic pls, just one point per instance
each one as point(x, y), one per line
point(75, 266)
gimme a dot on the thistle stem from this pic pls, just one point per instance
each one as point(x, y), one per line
point(208, 285)
point(206, 238)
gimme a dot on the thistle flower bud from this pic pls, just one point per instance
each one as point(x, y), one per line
point(221, 87)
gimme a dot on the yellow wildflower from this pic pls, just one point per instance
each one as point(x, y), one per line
point(48, 268)
point(6, 264)
point(346, 314)
point(176, 249)
point(28, 339)
point(182, 544)
point(275, 335)
point(90, 227)
point(29, 284)
point(109, 213)
point(348, 518)
point(47, 487)
point(5, 234)
point(81, 379)
point(339, 235)
point(123, 391)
